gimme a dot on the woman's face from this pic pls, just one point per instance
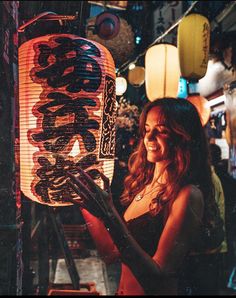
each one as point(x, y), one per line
point(157, 137)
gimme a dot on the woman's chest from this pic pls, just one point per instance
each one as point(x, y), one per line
point(137, 208)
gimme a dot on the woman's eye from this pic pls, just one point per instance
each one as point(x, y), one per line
point(164, 132)
point(157, 131)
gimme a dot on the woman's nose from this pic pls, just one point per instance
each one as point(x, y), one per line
point(150, 135)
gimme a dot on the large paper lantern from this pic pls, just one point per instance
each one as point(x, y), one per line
point(136, 76)
point(193, 40)
point(202, 105)
point(161, 71)
point(67, 114)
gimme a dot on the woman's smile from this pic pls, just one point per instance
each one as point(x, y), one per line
point(152, 147)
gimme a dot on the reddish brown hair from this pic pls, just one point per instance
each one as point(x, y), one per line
point(189, 158)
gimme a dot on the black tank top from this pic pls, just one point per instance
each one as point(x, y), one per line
point(147, 229)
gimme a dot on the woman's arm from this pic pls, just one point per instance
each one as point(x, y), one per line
point(103, 241)
point(180, 229)
point(175, 239)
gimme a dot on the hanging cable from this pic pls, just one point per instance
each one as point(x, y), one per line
point(124, 66)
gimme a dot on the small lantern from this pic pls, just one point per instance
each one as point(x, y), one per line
point(136, 76)
point(67, 114)
point(183, 88)
point(193, 40)
point(161, 71)
point(121, 86)
point(201, 103)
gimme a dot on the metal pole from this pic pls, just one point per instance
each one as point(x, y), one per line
point(75, 279)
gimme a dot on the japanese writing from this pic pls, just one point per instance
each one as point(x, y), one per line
point(54, 138)
point(52, 185)
point(107, 148)
point(70, 76)
point(205, 47)
point(73, 54)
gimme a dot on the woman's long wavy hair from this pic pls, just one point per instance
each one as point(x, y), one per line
point(188, 151)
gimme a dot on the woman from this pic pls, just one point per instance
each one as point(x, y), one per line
point(167, 194)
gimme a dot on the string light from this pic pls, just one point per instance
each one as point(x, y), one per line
point(131, 66)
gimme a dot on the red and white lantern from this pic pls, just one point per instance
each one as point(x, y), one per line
point(202, 106)
point(67, 114)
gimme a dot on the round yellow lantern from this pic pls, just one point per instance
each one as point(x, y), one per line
point(162, 71)
point(136, 76)
point(193, 39)
point(201, 103)
point(67, 115)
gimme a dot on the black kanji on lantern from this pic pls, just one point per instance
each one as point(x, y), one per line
point(53, 186)
point(56, 138)
point(76, 54)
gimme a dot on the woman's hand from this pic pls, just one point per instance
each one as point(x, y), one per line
point(99, 203)
point(94, 199)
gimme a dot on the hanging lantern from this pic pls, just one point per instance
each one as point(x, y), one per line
point(202, 105)
point(117, 4)
point(67, 114)
point(121, 86)
point(107, 25)
point(121, 41)
point(121, 5)
point(161, 71)
point(136, 76)
point(193, 40)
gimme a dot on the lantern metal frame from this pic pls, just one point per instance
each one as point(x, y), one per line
point(47, 16)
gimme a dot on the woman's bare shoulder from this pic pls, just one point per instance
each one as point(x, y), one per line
point(192, 192)
point(193, 198)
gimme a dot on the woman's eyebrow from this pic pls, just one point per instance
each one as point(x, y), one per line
point(157, 125)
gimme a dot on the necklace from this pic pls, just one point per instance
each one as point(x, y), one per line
point(141, 196)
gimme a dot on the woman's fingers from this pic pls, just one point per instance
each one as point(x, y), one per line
point(78, 186)
point(89, 180)
point(79, 202)
point(85, 200)
point(106, 182)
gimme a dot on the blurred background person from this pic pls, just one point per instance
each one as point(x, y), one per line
point(229, 188)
